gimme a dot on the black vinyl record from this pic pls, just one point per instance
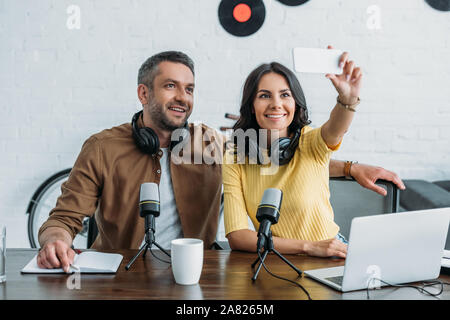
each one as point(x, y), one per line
point(293, 2)
point(441, 5)
point(241, 17)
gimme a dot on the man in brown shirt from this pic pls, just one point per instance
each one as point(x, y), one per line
point(112, 165)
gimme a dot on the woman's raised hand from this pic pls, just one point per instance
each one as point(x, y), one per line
point(347, 84)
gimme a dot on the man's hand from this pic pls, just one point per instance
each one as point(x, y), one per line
point(56, 251)
point(367, 175)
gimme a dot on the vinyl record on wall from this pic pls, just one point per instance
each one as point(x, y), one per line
point(293, 2)
point(441, 5)
point(241, 17)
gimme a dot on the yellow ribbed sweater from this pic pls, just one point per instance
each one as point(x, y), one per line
point(305, 211)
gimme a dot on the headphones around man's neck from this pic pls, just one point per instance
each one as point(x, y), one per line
point(147, 140)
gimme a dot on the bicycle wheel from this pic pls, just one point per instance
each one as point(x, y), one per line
point(42, 201)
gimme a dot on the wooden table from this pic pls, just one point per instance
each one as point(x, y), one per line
point(226, 275)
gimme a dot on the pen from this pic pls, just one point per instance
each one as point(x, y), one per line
point(77, 251)
point(73, 266)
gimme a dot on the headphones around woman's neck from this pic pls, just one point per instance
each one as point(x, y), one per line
point(285, 147)
point(147, 140)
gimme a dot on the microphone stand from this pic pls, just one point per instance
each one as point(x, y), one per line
point(268, 247)
point(149, 241)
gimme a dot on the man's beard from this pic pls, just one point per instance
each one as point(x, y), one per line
point(159, 117)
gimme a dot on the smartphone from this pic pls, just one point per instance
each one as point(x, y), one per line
point(315, 60)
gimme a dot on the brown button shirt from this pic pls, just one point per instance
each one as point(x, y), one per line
point(107, 176)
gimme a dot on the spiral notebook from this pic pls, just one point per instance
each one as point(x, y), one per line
point(85, 262)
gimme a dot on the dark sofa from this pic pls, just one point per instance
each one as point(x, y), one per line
point(421, 194)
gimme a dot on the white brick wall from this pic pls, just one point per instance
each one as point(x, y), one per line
point(58, 86)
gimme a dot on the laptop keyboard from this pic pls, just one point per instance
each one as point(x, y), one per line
point(337, 280)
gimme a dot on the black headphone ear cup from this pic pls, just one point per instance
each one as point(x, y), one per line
point(284, 143)
point(145, 138)
point(135, 129)
point(286, 148)
point(140, 142)
point(282, 147)
point(149, 140)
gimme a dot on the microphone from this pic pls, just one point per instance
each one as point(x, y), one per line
point(267, 214)
point(149, 208)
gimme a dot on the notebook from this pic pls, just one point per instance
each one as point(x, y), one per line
point(85, 262)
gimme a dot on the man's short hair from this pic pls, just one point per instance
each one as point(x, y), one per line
point(149, 68)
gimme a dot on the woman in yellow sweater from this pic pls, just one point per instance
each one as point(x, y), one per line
point(273, 99)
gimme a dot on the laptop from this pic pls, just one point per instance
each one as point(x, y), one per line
point(396, 248)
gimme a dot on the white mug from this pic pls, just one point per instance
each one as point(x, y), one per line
point(187, 260)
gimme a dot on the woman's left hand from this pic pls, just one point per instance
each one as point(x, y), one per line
point(347, 84)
